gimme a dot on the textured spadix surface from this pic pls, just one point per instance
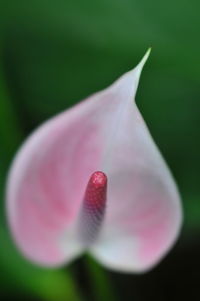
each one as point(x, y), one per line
point(49, 175)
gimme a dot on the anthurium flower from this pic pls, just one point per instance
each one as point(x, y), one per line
point(92, 179)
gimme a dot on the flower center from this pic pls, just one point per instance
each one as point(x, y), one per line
point(93, 208)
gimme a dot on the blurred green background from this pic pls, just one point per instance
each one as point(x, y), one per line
point(55, 53)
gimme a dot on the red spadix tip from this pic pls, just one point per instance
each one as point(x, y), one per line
point(98, 179)
point(95, 194)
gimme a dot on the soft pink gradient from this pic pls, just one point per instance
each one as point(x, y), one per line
point(46, 186)
point(47, 181)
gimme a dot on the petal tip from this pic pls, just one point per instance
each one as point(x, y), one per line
point(133, 76)
point(146, 56)
point(138, 69)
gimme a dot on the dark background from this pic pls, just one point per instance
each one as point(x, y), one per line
point(55, 53)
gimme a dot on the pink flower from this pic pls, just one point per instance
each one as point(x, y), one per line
point(92, 179)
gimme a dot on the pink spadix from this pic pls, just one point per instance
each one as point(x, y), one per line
point(93, 208)
point(54, 213)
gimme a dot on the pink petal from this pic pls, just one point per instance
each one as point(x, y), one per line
point(46, 185)
point(49, 175)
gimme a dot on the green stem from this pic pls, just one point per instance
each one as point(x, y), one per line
point(100, 281)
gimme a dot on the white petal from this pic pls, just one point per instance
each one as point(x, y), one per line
point(144, 214)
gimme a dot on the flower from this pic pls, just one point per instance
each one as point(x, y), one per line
point(92, 179)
